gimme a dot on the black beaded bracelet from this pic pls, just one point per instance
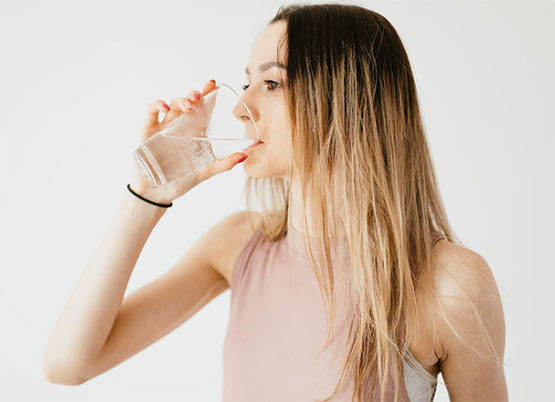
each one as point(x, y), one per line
point(144, 199)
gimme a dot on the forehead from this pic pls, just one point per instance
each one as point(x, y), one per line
point(265, 46)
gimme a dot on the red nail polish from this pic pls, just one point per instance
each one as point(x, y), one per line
point(166, 107)
point(197, 96)
point(241, 160)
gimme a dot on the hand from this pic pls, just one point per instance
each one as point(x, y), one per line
point(176, 188)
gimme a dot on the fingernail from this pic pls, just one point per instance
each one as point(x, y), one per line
point(188, 104)
point(214, 81)
point(166, 107)
point(196, 95)
point(242, 159)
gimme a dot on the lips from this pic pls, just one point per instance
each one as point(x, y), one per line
point(253, 145)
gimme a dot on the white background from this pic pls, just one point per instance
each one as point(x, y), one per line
point(75, 80)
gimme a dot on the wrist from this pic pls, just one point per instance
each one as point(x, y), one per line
point(138, 207)
point(140, 186)
point(143, 188)
point(150, 200)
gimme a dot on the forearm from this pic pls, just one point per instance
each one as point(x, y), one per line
point(89, 313)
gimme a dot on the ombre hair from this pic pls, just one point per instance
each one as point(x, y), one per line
point(359, 150)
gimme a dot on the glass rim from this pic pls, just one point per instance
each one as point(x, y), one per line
point(243, 103)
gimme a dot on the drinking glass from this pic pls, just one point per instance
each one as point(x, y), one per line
point(194, 139)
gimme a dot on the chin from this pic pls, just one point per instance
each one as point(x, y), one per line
point(256, 174)
point(260, 173)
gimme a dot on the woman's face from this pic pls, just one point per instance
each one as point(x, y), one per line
point(264, 96)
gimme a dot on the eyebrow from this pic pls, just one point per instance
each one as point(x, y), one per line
point(266, 66)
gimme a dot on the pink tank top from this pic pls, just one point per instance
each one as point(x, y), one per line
point(278, 324)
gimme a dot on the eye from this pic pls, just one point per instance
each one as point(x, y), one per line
point(273, 85)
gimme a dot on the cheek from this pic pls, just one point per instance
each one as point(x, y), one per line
point(271, 153)
point(271, 160)
point(278, 147)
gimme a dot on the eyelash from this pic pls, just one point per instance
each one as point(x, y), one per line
point(244, 87)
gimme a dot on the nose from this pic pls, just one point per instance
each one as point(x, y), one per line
point(240, 112)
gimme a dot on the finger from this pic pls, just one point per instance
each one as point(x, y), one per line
point(153, 112)
point(185, 105)
point(192, 99)
point(208, 87)
point(177, 107)
point(197, 97)
point(221, 165)
point(194, 96)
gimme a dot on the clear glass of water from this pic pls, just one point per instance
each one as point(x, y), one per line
point(196, 138)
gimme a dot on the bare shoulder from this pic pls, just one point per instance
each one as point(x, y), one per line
point(469, 323)
point(224, 241)
point(461, 275)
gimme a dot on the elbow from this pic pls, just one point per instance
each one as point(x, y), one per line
point(61, 377)
point(61, 380)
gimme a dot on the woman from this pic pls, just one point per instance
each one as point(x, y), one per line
point(350, 284)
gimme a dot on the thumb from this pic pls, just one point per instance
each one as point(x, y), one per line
point(221, 165)
point(238, 157)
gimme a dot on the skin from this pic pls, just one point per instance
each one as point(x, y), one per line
point(267, 104)
point(466, 379)
point(112, 330)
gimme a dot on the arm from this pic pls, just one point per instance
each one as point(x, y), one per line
point(469, 329)
point(146, 315)
point(88, 315)
point(95, 331)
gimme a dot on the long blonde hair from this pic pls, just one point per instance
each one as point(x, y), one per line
point(357, 131)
